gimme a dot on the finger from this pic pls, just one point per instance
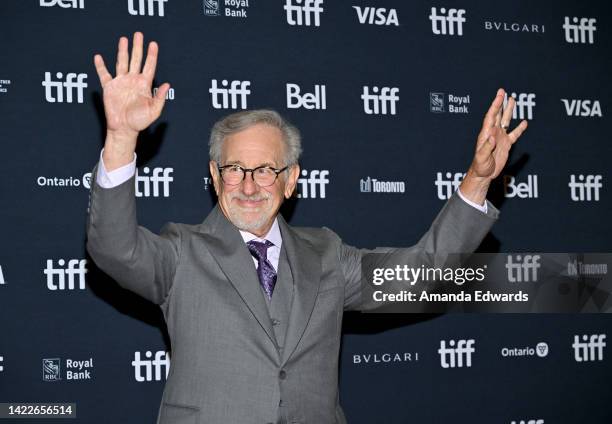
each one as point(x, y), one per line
point(489, 119)
point(498, 116)
point(122, 56)
point(151, 61)
point(516, 133)
point(136, 60)
point(486, 149)
point(160, 98)
point(507, 116)
point(103, 73)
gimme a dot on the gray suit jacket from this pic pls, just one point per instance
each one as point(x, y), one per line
point(227, 367)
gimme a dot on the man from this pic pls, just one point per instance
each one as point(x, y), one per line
point(253, 306)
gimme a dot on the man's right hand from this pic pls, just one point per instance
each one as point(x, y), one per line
point(128, 102)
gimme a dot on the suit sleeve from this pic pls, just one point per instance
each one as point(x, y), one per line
point(137, 259)
point(458, 228)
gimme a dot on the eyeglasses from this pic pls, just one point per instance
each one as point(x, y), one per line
point(263, 176)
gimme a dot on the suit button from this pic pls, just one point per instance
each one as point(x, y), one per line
point(282, 375)
point(280, 402)
point(275, 321)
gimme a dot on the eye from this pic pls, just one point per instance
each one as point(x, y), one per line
point(234, 169)
point(264, 171)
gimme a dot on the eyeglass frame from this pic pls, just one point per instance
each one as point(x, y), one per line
point(252, 171)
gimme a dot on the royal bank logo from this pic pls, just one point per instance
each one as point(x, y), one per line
point(304, 12)
point(230, 8)
point(589, 348)
point(523, 268)
point(2, 281)
point(51, 369)
point(311, 185)
point(64, 4)
point(4, 85)
point(385, 358)
point(65, 274)
point(540, 351)
point(372, 185)
point(457, 354)
point(582, 108)
point(63, 89)
point(146, 7)
point(316, 99)
point(441, 102)
point(229, 94)
point(579, 30)
point(525, 104)
point(523, 190)
point(447, 22)
point(376, 15)
point(514, 27)
point(447, 183)
point(154, 366)
point(585, 188)
point(380, 101)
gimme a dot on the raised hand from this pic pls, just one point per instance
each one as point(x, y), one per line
point(128, 102)
point(492, 148)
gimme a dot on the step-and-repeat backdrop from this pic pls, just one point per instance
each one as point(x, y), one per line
point(389, 96)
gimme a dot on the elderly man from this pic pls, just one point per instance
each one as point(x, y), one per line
point(253, 306)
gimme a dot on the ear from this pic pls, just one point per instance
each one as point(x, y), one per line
point(214, 173)
point(293, 173)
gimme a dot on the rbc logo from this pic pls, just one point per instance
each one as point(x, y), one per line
point(447, 186)
point(64, 4)
point(75, 267)
point(525, 269)
point(586, 188)
point(301, 15)
point(54, 90)
point(443, 25)
point(590, 348)
point(152, 367)
point(149, 185)
point(313, 186)
point(147, 7)
point(51, 369)
point(579, 32)
point(376, 103)
point(523, 108)
point(316, 100)
point(459, 356)
point(229, 93)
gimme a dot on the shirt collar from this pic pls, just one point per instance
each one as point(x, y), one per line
point(273, 235)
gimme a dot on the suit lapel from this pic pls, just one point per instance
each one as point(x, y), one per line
point(305, 266)
point(229, 250)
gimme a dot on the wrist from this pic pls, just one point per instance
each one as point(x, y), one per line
point(475, 188)
point(119, 149)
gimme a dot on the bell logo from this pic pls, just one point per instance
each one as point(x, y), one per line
point(458, 354)
point(316, 100)
point(524, 270)
point(312, 186)
point(146, 7)
point(447, 186)
point(301, 15)
point(446, 22)
point(581, 30)
point(523, 109)
point(229, 92)
point(588, 108)
point(152, 367)
point(586, 188)
point(524, 190)
point(75, 267)
point(590, 348)
point(376, 103)
point(54, 90)
point(64, 4)
point(376, 15)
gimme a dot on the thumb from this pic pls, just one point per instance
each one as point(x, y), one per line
point(160, 98)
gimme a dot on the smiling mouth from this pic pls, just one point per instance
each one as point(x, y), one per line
point(250, 203)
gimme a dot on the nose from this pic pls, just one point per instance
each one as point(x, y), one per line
point(248, 184)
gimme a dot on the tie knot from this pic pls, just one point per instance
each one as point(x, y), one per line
point(259, 249)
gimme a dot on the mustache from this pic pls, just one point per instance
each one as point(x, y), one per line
point(253, 197)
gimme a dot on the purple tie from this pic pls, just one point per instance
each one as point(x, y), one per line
point(265, 270)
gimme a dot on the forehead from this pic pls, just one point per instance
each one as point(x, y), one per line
point(253, 146)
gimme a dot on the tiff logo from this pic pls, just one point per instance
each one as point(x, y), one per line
point(447, 186)
point(2, 276)
point(523, 109)
point(535, 421)
point(146, 7)
point(149, 185)
point(576, 107)
point(376, 15)
point(524, 190)
point(229, 92)
point(376, 103)
point(524, 270)
point(64, 4)
point(446, 22)
point(301, 15)
point(312, 186)
point(152, 367)
point(75, 267)
point(590, 348)
point(54, 90)
point(580, 31)
point(316, 100)
point(459, 356)
point(586, 188)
